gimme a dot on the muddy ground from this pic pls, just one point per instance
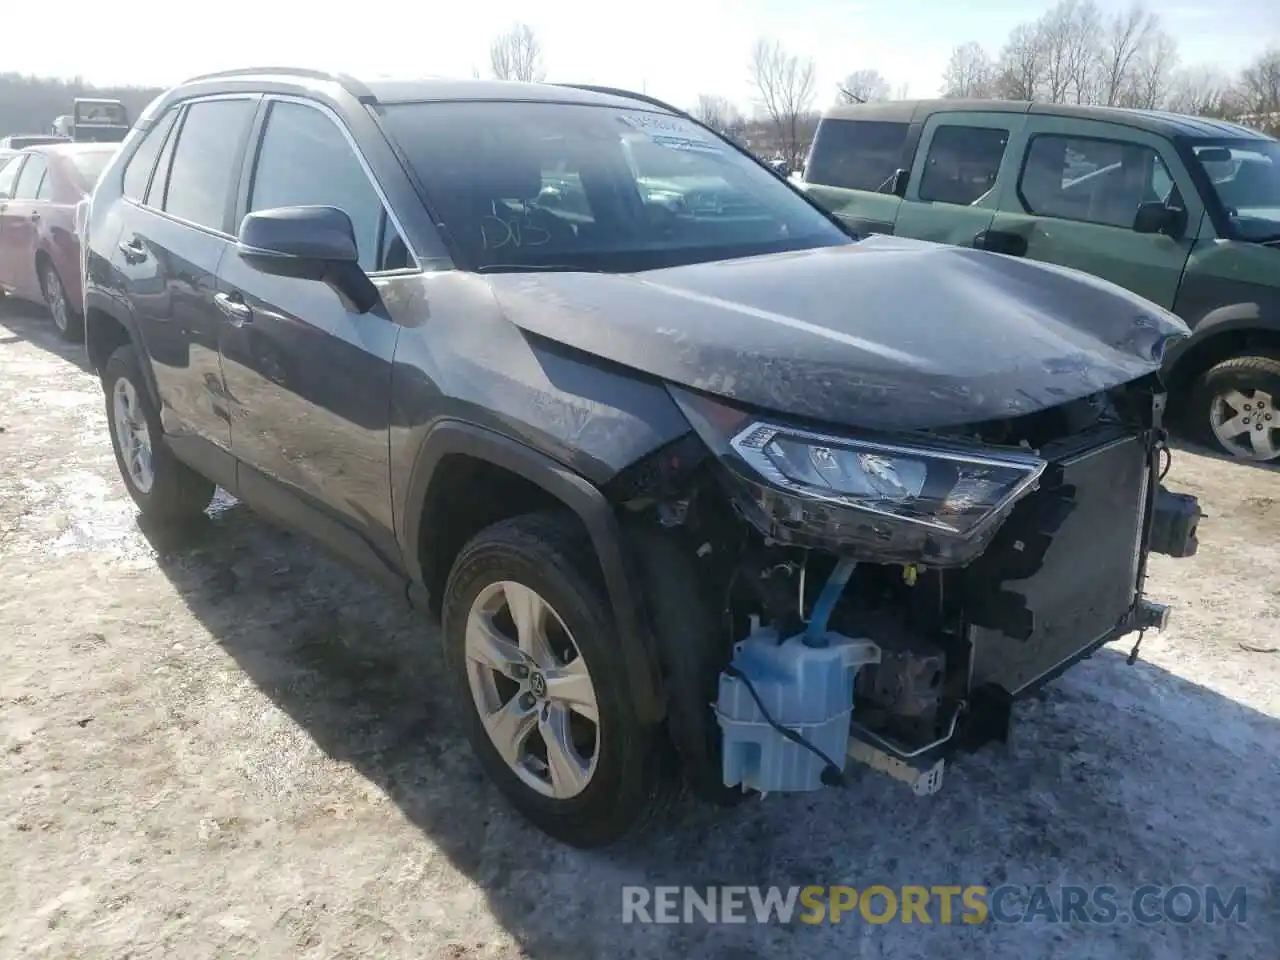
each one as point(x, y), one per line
point(234, 747)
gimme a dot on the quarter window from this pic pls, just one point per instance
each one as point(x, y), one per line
point(1094, 181)
point(205, 164)
point(28, 185)
point(962, 164)
point(856, 154)
point(306, 160)
point(138, 172)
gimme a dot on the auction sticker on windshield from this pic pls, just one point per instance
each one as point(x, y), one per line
point(669, 132)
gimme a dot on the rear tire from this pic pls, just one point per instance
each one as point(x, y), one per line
point(626, 779)
point(66, 318)
point(1233, 408)
point(164, 488)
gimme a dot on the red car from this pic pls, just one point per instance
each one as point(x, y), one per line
point(40, 188)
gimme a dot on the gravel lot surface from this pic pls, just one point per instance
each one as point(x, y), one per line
point(231, 746)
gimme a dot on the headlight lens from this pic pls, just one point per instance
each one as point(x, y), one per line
point(946, 490)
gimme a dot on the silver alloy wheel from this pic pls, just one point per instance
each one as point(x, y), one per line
point(133, 435)
point(532, 689)
point(56, 298)
point(1246, 423)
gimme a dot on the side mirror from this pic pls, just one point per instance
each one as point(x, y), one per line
point(899, 185)
point(1155, 217)
point(308, 243)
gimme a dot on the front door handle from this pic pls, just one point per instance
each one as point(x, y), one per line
point(133, 251)
point(1001, 241)
point(35, 217)
point(234, 307)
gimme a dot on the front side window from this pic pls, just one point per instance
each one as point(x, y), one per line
point(1245, 178)
point(137, 174)
point(205, 164)
point(962, 163)
point(28, 185)
point(306, 160)
point(856, 154)
point(583, 187)
point(1093, 181)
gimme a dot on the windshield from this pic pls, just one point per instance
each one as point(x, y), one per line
point(89, 165)
point(1246, 179)
point(580, 187)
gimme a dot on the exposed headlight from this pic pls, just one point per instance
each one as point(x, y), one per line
point(942, 489)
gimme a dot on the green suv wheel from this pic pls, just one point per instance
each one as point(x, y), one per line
point(1234, 406)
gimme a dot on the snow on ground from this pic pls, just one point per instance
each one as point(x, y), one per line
point(235, 747)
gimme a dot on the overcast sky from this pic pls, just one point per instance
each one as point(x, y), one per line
point(674, 49)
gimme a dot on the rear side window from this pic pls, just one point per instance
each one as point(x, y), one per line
point(1093, 181)
point(856, 154)
point(205, 163)
point(29, 180)
point(962, 163)
point(137, 174)
point(306, 160)
point(9, 175)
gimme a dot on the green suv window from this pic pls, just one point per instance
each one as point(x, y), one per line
point(1092, 180)
point(856, 154)
point(962, 164)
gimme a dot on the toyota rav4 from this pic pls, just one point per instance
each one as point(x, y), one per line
point(703, 489)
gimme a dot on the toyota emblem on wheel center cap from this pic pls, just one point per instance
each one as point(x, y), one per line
point(538, 685)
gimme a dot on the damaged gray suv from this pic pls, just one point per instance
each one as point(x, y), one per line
point(704, 490)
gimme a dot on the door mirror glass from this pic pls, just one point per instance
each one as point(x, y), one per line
point(1155, 217)
point(308, 243)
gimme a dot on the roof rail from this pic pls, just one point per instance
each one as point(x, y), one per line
point(629, 95)
point(348, 83)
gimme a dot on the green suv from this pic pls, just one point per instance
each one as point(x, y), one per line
point(1181, 210)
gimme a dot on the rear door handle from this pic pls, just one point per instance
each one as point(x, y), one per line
point(1001, 241)
point(234, 307)
point(133, 251)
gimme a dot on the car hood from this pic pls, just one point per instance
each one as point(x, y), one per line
point(883, 334)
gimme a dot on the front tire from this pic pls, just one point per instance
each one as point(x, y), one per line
point(534, 659)
point(1233, 405)
point(164, 488)
point(66, 317)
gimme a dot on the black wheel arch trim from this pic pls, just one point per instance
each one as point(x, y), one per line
point(617, 564)
point(96, 302)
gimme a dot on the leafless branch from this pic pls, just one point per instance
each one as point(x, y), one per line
point(863, 86)
point(784, 85)
point(517, 55)
point(969, 73)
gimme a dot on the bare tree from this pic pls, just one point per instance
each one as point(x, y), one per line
point(1259, 87)
point(517, 55)
point(863, 86)
point(784, 85)
point(1022, 64)
point(1069, 33)
point(1148, 87)
point(1200, 91)
point(1126, 37)
point(969, 72)
point(712, 110)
